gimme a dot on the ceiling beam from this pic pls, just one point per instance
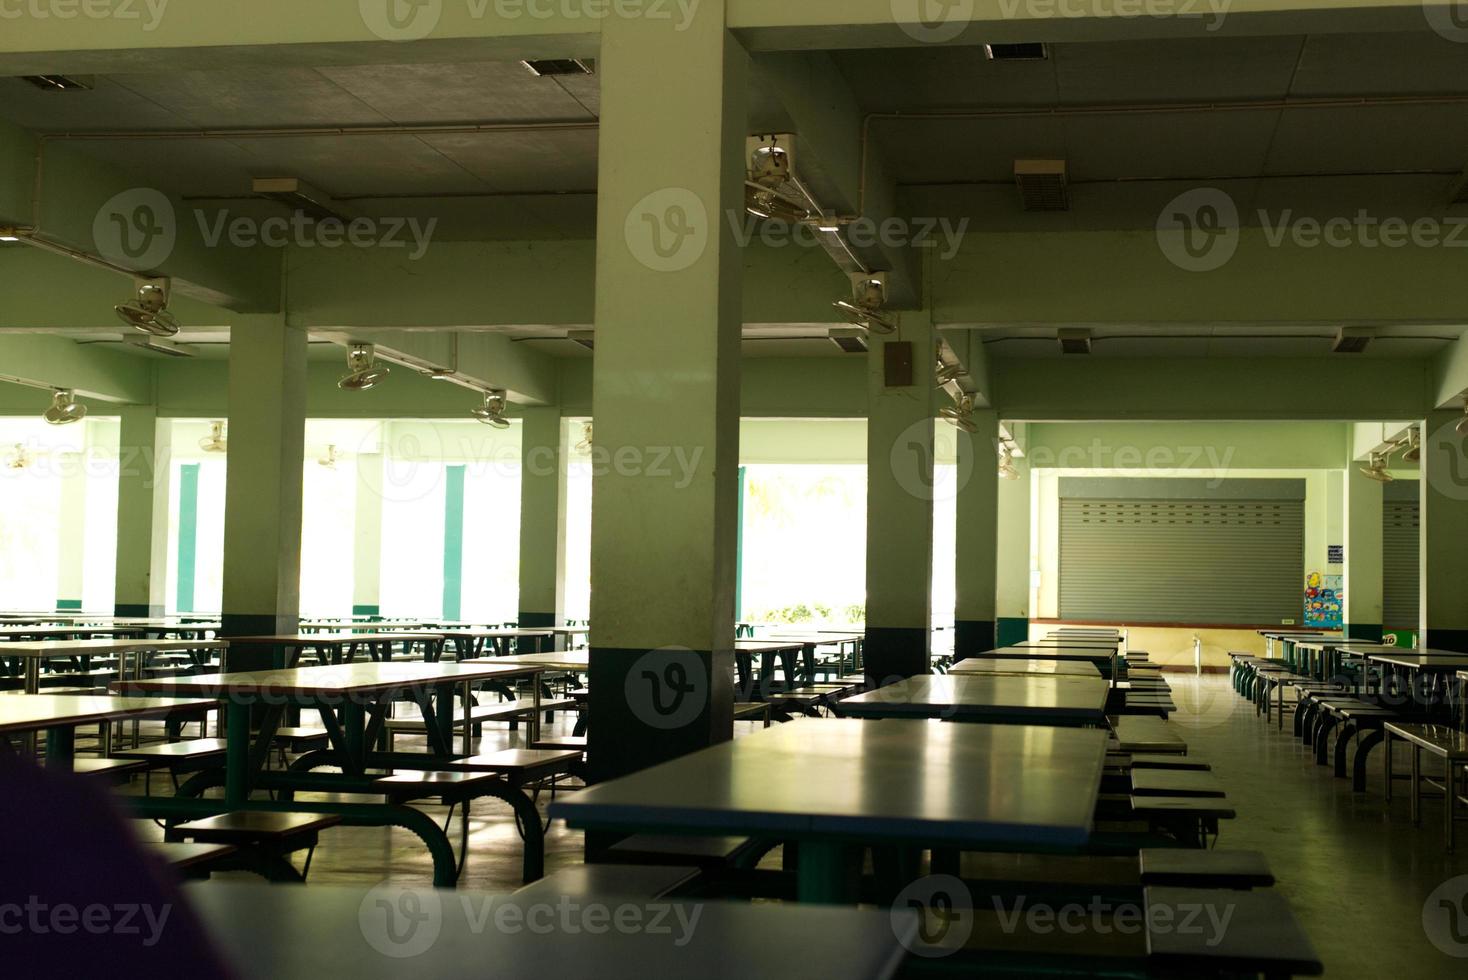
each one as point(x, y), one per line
point(1450, 374)
point(181, 35)
point(101, 218)
point(840, 167)
point(43, 361)
point(783, 25)
point(1095, 388)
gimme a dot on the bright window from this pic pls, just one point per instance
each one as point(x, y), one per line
point(491, 581)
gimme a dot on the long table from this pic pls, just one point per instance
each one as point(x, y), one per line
point(284, 933)
point(1058, 668)
point(833, 785)
point(1104, 657)
point(1033, 699)
point(470, 643)
point(337, 648)
point(33, 653)
point(60, 715)
point(353, 701)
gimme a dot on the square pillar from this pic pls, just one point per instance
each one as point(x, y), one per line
point(1013, 564)
point(367, 537)
point(1444, 579)
point(1362, 579)
point(262, 502)
point(144, 453)
point(977, 536)
point(665, 389)
point(900, 494)
point(543, 452)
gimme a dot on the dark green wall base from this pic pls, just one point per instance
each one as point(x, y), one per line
point(664, 723)
point(1011, 632)
point(68, 605)
point(1365, 632)
point(538, 620)
point(255, 624)
point(1442, 639)
point(894, 652)
point(366, 610)
point(136, 609)
point(972, 636)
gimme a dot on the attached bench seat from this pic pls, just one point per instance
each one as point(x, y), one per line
point(705, 853)
point(1174, 782)
point(1135, 733)
point(192, 859)
point(266, 837)
point(513, 712)
point(114, 769)
point(1182, 868)
point(590, 882)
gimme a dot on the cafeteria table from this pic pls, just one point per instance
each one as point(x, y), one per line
point(470, 643)
point(1025, 699)
point(768, 650)
point(1104, 657)
point(60, 715)
point(338, 648)
point(811, 641)
point(33, 653)
point(1426, 671)
point(836, 785)
point(1059, 668)
point(391, 930)
point(352, 700)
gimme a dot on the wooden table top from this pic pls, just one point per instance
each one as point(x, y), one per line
point(815, 639)
point(562, 660)
point(1034, 698)
point(1095, 655)
point(326, 679)
point(332, 639)
point(32, 712)
point(1061, 668)
point(77, 648)
point(970, 785)
point(768, 645)
point(328, 930)
point(1436, 661)
point(1079, 642)
point(506, 633)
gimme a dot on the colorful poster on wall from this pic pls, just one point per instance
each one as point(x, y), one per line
point(1324, 602)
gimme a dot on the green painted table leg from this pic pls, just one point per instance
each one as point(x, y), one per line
point(60, 747)
point(829, 873)
point(237, 754)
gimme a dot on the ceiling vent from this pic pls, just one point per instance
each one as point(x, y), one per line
point(297, 195)
point(59, 83)
point(1074, 340)
point(553, 67)
point(586, 338)
point(1352, 340)
point(1021, 51)
point(1042, 185)
point(852, 340)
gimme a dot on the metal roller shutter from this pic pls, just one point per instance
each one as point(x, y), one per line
point(1400, 546)
point(1182, 560)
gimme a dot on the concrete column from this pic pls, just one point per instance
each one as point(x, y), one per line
point(543, 453)
point(367, 538)
point(144, 455)
point(976, 531)
point(1362, 579)
point(900, 502)
point(1444, 579)
point(262, 503)
point(666, 388)
point(72, 541)
point(1013, 565)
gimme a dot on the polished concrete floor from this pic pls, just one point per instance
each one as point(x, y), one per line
point(1354, 867)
